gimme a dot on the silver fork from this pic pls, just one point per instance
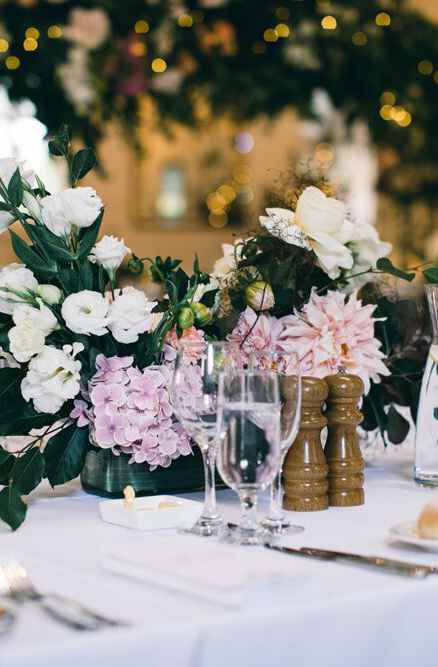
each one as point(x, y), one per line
point(16, 584)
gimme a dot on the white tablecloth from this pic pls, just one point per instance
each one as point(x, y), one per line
point(333, 615)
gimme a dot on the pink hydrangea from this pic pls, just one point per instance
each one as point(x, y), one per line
point(131, 412)
point(333, 332)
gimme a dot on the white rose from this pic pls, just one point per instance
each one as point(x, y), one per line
point(319, 223)
point(25, 341)
point(86, 312)
point(15, 283)
point(130, 315)
point(78, 207)
point(49, 294)
point(53, 377)
point(367, 247)
point(40, 318)
point(109, 253)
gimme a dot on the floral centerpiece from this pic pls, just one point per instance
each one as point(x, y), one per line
point(85, 363)
point(309, 281)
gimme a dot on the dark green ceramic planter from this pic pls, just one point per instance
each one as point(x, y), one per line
point(107, 475)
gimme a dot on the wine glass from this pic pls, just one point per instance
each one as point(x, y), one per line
point(249, 450)
point(287, 366)
point(194, 393)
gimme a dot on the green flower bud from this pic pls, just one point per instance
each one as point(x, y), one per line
point(202, 314)
point(135, 266)
point(259, 296)
point(186, 318)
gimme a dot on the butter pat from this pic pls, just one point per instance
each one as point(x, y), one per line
point(151, 513)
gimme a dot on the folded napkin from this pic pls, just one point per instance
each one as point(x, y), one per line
point(199, 567)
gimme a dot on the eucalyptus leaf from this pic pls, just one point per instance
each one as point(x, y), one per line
point(384, 264)
point(431, 274)
point(12, 508)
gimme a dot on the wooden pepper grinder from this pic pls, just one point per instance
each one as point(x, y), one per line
point(342, 450)
point(305, 469)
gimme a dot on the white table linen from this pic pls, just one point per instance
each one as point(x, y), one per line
point(332, 614)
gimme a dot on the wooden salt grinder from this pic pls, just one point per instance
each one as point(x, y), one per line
point(305, 468)
point(342, 450)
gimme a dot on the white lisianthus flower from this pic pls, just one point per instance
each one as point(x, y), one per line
point(228, 263)
point(109, 252)
point(319, 224)
point(367, 249)
point(86, 313)
point(25, 341)
point(40, 318)
point(49, 294)
point(32, 205)
point(130, 315)
point(8, 166)
point(53, 378)
point(16, 282)
point(74, 207)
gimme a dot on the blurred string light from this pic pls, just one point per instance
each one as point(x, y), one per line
point(159, 65)
point(425, 67)
point(12, 62)
point(282, 30)
point(244, 142)
point(359, 38)
point(383, 19)
point(54, 32)
point(32, 33)
point(141, 27)
point(4, 45)
point(220, 200)
point(396, 113)
point(329, 22)
point(270, 35)
point(137, 49)
point(30, 44)
point(388, 98)
point(185, 21)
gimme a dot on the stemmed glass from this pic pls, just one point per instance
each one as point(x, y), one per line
point(287, 366)
point(249, 451)
point(194, 393)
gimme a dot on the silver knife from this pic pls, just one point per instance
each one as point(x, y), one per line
point(400, 567)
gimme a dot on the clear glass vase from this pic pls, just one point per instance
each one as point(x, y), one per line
point(426, 440)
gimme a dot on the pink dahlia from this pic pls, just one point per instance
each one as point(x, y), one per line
point(259, 337)
point(190, 335)
point(333, 332)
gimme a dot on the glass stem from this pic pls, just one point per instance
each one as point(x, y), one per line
point(248, 506)
point(276, 500)
point(209, 458)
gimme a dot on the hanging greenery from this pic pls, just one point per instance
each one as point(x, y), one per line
point(86, 62)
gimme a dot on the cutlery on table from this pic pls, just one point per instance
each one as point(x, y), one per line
point(16, 584)
point(7, 619)
point(414, 570)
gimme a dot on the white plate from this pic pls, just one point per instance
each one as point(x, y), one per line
point(147, 514)
point(407, 532)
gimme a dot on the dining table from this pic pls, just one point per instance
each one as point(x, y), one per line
point(326, 613)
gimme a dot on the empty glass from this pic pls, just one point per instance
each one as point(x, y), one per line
point(249, 450)
point(194, 396)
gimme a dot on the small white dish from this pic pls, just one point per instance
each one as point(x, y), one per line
point(151, 513)
point(407, 532)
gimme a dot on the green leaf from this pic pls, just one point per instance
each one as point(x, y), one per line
point(83, 162)
point(7, 461)
point(431, 274)
point(89, 237)
point(12, 508)
point(384, 264)
point(28, 471)
point(4, 206)
point(10, 378)
point(65, 453)
point(397, 426)
point(15, 189)
point(29, 257)
point(22, 419)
